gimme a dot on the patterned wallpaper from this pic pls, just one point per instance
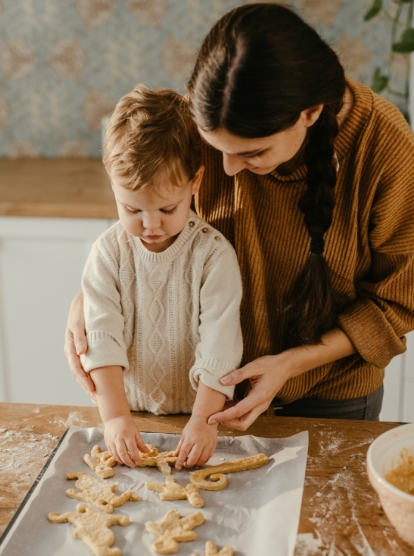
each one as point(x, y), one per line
point(65, 63)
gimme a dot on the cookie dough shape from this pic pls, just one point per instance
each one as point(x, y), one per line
point(216, 473)
point(212, 550)
point(100, 462)
point(162, 460)
point(96, 492)
point(173, 530)
point(173, 491)
point(92, 528)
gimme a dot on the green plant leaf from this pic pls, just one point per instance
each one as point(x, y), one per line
point(379, 81)
point(406, 44)
point(374, 10)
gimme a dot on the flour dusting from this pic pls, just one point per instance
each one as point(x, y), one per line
point(19, 468)
point(328, 504)
point(329, 443)
point(74, 418)
point(364, 545)
point(14, 459)
point(357, 445)
point(307, 544)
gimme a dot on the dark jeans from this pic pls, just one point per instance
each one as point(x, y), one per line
point(366, 408)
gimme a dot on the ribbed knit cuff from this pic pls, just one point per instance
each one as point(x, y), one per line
point(371, 333)
point(103, 351)
point(210, 371)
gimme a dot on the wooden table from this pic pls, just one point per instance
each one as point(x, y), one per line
point(340, 514)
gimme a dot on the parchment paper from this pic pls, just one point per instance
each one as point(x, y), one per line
point(257, 513)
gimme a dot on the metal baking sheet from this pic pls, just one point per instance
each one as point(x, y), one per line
point(257, 513)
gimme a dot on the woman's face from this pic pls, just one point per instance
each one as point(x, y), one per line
point(263, 154)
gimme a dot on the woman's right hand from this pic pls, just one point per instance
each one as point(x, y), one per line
point(76, 344)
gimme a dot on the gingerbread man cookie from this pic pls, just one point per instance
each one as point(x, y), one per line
point(216, 473)
point(92, 528)
point(173, 491)
point(162, 460)
point(173, 530)
point(100, 462)
point(96, 492)
point(212, 550)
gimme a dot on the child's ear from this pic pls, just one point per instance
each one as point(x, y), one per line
point(198, 178)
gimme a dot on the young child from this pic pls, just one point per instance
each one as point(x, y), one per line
point(162, 288)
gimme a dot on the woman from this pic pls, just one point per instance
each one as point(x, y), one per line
point(317, 198)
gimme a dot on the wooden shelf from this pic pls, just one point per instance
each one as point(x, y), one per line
point(58, 187)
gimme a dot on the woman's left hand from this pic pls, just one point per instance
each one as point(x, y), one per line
point(267, 375)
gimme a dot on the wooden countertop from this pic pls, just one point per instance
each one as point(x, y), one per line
point(340, 513)
point(59, 187)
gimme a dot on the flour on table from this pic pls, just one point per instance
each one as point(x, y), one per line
point(74, 418)
point(19, 468)
point(307, 544)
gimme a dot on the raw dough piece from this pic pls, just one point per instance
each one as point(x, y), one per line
point(218, 480)
point(92, 528)
point(162, 460)
point(212, 550)
point(173, 530)
point(96, 492)
point(100, 462)
point(173, 491)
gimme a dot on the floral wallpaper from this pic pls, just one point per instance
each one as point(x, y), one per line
point(65, 63)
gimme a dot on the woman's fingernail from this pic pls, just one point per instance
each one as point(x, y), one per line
point(225, 380)
point(212, 422)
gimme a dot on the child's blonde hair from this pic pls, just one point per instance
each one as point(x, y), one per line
point(151, 137)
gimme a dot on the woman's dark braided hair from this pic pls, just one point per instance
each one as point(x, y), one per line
point(257, 69)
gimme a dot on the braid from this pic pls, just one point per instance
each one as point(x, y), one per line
point(311, 310)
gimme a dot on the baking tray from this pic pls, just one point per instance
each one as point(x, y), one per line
point(257, 513)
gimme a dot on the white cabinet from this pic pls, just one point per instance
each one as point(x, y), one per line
point(399, 386)
point(41, 262)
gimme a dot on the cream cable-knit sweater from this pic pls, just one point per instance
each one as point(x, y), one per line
point(169, 319)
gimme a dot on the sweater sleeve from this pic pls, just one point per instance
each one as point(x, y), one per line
point(104, 321)
point(220, 348)
point(384, 309)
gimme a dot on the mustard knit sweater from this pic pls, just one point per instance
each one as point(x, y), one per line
point(369, 247)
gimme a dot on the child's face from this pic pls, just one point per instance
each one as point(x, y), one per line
point(157, 215)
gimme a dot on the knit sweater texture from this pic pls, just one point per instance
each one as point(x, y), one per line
point(169, 319)
point(369, 247)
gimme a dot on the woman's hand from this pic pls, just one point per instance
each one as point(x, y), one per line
point(76, 345)
point(267, 375)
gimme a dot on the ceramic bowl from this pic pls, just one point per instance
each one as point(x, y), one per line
point(382, 455)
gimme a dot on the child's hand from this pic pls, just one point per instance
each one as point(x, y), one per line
point(123, 440)
point(197, 443)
